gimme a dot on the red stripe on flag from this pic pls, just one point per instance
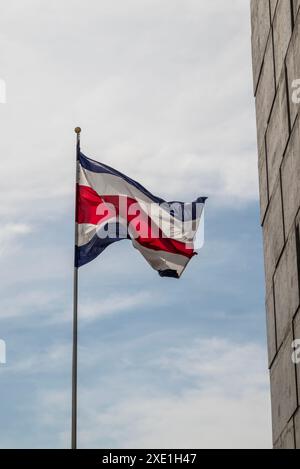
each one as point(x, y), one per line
point(88, 204)
point(95, 209)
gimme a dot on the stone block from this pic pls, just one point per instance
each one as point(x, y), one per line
point(260, 22)
point(263, 182)
point(297, 337)
point(296, 5)
point(287, 438)
point(290, 173)
point(277, 133)
point(293, 71)
point(271, 327)
point(286, 288)
point(283, 388)
point(297, 428)
point(273, 4)
point(265, 93)
point(282, 27)
point(273, 234)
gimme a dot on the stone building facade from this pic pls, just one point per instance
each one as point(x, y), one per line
point(276, 69)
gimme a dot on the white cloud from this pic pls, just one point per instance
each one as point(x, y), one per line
point(196, 419)
point(219, 399)
point(215, 360)
point(12, 230)
point(227, 406)
point(9, 235)
point(159, 92)
point(50, 307)
point(113, 305)
point(55, 358)
point(29, 303)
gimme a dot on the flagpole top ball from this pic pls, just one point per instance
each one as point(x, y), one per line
point(77, 130)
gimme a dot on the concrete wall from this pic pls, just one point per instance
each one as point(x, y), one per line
point(276, 64)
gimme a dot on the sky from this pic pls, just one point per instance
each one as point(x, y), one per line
point(163, 92)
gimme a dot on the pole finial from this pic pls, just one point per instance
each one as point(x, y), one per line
point(77, 130)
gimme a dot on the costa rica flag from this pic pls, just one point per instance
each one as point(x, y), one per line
point(111, 207)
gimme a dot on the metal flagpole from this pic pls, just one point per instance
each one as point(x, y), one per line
point(75, 314)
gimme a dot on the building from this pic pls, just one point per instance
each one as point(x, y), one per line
point(276, 69)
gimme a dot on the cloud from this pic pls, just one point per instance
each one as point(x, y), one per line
point(49, 306)
point(9, 235)
point(113, 305)
point(196, 419)
point(36, 302)
point(156, 93)
point(217, 361)
point(55, 358)
point(118, 303)
point(226, 405)
point(12, 230)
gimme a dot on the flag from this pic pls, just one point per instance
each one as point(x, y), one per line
point(111, 207)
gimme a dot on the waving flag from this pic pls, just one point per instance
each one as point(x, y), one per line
point(111, 207)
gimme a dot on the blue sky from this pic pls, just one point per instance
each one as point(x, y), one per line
point(163, 92)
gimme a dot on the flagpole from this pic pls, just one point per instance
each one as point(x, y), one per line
point(75, 313)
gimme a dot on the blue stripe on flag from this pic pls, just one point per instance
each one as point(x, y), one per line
point(88, 252)
point(96, 167)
